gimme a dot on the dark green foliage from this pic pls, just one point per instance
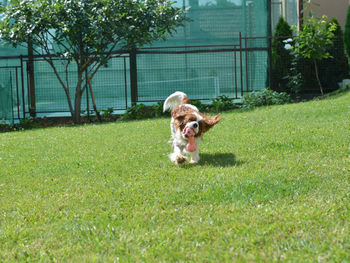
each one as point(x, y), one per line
point(141, 111)
point(107, 115)
point(347, 35)
point(219, 104)
point(332, 69)
point(281, 57)
point(335, 68)
point(222, 103)
point(24, 124)
point(264, 97)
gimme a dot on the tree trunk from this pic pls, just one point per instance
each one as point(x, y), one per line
point(77, 108)
point(317, 77)
point(77, 100)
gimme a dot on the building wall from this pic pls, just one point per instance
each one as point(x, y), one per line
point(330, 8)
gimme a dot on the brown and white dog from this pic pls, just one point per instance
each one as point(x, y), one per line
point(184, 116)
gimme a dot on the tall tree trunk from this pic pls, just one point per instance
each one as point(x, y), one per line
point(77, 105)
point(77, 99)
point(317, 77)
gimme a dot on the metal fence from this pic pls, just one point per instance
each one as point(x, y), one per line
point(149, 75)
point(143, 76)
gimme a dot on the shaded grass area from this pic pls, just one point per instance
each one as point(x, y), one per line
point(272, 185)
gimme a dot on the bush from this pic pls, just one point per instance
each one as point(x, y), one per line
point(222, 103)
point(335, 68)
point(24, 124)
point(107, 115)
point(264, 97)
point(319, 46)
point(141, 111)
point(347, 35)
point(281, 58)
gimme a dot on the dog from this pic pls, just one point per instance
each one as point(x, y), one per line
point(184, 117)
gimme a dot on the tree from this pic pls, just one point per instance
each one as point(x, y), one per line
point(313, 41)
point(334, 69)
point(281, 57)
point(86, 32)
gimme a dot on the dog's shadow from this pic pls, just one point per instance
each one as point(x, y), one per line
point(219, 159)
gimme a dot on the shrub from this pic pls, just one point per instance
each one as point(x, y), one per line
point(222, 103)
point(347, 35)
point(23, 124)
point(264, 97)
point(141, 111)
point(107, 115)
point(313, 42)
point(335, 68)
point(281, 57)
point(301, 77)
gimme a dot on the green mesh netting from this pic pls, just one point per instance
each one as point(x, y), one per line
point(206, 58)
point(6, 96)
point(203, 72)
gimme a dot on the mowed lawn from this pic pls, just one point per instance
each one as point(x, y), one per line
point(273, 184)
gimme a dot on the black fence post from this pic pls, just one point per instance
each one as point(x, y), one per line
point(241, 61)
point(133, 76)
point(22, 84)
point(30, 69)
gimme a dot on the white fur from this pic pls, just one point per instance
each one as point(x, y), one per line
point(179, 148)
point(173, 100)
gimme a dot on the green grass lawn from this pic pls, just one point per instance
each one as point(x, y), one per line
point(273, 184)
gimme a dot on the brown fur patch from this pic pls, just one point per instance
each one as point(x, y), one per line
point(181, 119)
point(181, 159)
point(185, 100)
point(181, 110)
point(207, 123)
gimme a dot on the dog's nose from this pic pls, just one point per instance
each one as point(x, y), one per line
point(195, 125)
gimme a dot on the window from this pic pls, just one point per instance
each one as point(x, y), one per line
point(288, 9)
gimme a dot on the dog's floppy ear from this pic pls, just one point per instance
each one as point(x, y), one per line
point(207, 123)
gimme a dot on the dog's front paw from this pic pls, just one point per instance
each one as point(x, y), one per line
point(180, 159)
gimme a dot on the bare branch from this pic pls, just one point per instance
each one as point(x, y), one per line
point(93, 70)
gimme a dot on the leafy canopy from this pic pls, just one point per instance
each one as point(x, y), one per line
point(314, 38)
point(313, 42)
point(86, 32)
point(88, 26)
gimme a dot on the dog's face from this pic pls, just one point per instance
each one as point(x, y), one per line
point(184, 121)
point(198, 122)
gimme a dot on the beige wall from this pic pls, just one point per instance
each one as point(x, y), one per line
point(331, 8)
